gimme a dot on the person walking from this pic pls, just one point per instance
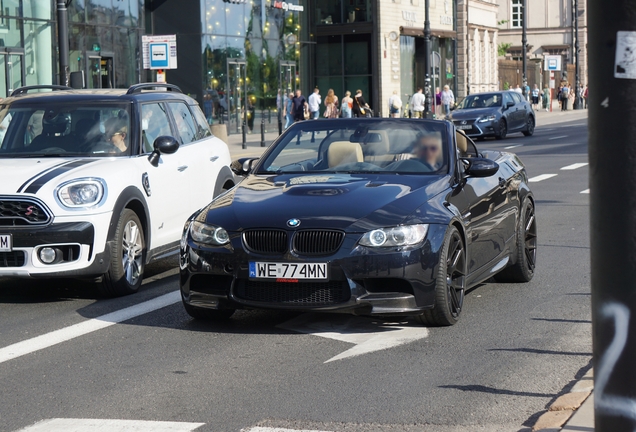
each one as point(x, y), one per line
point(299, 106)
point(417, 104)
point(347, 105)
point(314, 104)
point(448, 99)
point(535, 97)
point(585, 97)
point(288, 110)
point(360, 106)
point(518, 89)
point(331, 104)
point(546, 98)
point(438, 102)
point(395, 104)
point(564, 94)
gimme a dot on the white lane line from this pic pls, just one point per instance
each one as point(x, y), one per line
point(109, 425)
point(541, 177)
point(76, 330)
point(270, 429)
point(574, 166)
point(559, 137)
point(586, 191)
point(513, 146)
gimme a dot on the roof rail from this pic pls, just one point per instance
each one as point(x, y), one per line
point(24, 90)
point(137, 88)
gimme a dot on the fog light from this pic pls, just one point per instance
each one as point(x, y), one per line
point(48, 255)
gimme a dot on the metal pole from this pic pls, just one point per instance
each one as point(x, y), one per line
point(262, 128)
point(524, 44)
point(612, 125)
point(62, 40)
point(577, 83)
point(427, 59)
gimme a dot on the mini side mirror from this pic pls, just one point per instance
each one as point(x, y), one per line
point(243, 166)
point(162, 145)
point(510, 104)
point(480, 167)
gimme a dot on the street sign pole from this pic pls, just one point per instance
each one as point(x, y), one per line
point(427, 59)
point(524, 50)
point(62, 33)
point(612, 157)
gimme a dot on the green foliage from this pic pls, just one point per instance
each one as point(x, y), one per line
point(502, 48)
point(506, 85)
point(502, 22)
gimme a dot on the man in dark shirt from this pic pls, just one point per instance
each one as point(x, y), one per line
point(299, 104)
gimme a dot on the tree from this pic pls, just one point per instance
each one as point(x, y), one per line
point(502, 48)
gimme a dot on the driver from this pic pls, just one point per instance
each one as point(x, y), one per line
point(428, 150)
point(116, 133)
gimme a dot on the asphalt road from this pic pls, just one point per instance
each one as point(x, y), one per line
point(64, 354)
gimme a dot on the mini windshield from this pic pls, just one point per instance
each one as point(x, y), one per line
point(481, 101)
point(360, 146)
point(80, 129)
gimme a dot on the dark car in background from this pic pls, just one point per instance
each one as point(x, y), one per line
point(494, 114)
point(364, 216)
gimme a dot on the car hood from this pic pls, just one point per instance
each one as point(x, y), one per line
point(18, 174)
point(355, 203)
point(473, 113)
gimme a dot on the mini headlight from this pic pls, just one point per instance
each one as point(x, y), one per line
point(404, 235)
point(208, 234)
point(81, 192)
point(487, 119)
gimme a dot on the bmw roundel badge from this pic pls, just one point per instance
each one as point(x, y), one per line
point(293, 223)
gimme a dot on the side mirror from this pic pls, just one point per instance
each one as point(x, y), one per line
point(162, 145)
point(480, 167)
point(509, 104)
point(243, 166)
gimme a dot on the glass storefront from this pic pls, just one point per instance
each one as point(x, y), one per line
point(412, 63)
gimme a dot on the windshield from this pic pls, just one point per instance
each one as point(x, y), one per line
point(360, 146)
point(481, 101)
point(80, 129)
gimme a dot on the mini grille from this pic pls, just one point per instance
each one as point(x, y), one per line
point(301, 293)
point(266, 241)
point(318, 242)
point(16, 212)
point(12, 259)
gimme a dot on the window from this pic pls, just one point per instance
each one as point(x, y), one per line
point(203, 128)
point(185, 122)
point(516, 14)
point(154, 124)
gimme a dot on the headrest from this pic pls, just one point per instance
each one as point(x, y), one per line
point(342, 152)
point(462, 142)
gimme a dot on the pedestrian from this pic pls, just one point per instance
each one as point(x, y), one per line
point(517, 89)
point(331, 104)
point(417, 103)
point(535, 97)
point(438, 102)
point(314, 104)
point(448, 99)
point(207, 107)
point(288, 110)
point(546, 98)
point(347, 105)
point(585, 97)
point(395, 104)
point(564, 95)
point(360, 106)
point(299, 106)
point(527, 90)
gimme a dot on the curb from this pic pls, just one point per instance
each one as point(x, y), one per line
point(562, 409)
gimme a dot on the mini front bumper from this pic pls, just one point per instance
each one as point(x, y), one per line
point(361, 281)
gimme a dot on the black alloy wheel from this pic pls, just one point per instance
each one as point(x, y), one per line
point(450, 284)
point(522, 270)
point(529, 126)
point(502, 129)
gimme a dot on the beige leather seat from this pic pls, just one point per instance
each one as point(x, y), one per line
point(342, 152)
point(462, 144)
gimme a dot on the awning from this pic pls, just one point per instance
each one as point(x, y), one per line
point(419, 32)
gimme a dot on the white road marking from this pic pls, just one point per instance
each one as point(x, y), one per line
point(541, 177)
point(513, 146)
point(574, 166)
point(270, 429)
point(367, 334)
point(67, 333)
point(586, 191)
point(559, 137)
point(109, 425)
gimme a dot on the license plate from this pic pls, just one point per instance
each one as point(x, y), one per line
point(6, 243)
point(288, 271)
point(464, 127)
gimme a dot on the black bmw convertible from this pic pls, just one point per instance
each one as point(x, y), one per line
point(393, 217)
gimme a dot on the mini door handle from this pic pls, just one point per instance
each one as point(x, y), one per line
point(213, 158)
point(182, 168)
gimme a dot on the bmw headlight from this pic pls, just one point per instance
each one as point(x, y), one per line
point(81, 192)
point(208, 234)
point(405, 235)
point(487, 119)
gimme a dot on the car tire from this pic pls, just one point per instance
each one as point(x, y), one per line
point(450, 282)
point(502, 130)
point(127, 257)
point(529, 126)
point(205, 314)
point(525, 248)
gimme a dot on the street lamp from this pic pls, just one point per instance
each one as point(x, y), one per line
point(524, 44)
point(427, 59)
point(577, 84)
point(62, 33)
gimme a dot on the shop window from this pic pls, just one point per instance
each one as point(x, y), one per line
point(37, 9)
point(99, 11)
point(328, 12)
point(329, 55)
point(516, 11)
point(357, 58)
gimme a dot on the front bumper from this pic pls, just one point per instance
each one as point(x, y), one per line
point(477, 129)
point(361, 280)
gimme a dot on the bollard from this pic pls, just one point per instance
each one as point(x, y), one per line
point(244, 132)
point(280, 123)
point(262, 131)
